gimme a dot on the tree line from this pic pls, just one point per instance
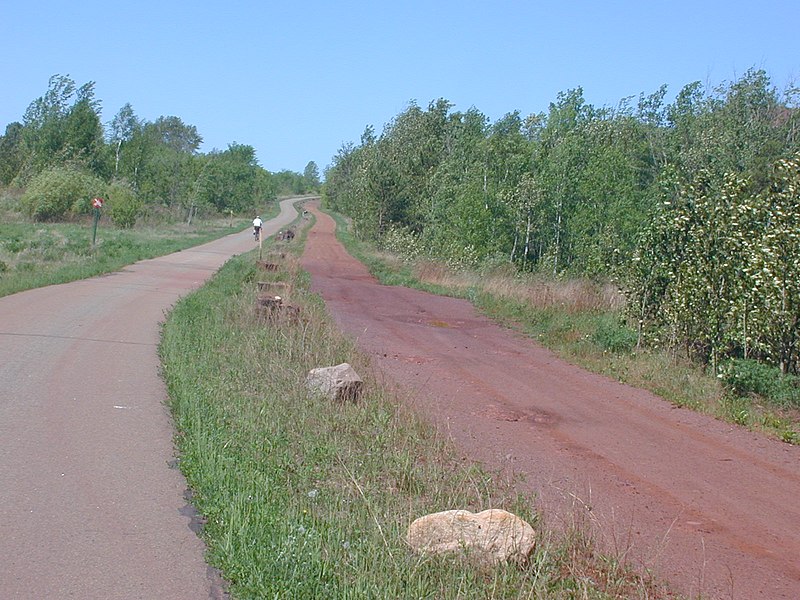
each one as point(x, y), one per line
point(691, 205)
point(62, 154)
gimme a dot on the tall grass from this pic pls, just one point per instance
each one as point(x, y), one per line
point(305, 498)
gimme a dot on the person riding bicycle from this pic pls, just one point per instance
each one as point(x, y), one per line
point(257, 223)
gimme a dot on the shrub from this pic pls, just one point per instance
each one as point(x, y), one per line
point(14, 244)
point(613, 335)
point(124, 204)
point(401, 241)
point(746, 376)
point(59, 191)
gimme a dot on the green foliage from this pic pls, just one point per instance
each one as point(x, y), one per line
point(11, 154)
point(773, 269)
point(288, 183)
point(717, 270)
point(159, 159)
point(232, 180)
point(614, 335)
point(402, 242)
point(59, 192)
point(744, 377)
point(311, 177)
point(123, 204)
point(61, 126)
point(121, 131)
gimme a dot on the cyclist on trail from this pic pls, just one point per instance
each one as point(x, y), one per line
point(257, 223)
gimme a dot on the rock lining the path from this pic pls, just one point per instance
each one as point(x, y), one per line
point(489, 537)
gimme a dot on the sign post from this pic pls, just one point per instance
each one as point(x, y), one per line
point(97, 204)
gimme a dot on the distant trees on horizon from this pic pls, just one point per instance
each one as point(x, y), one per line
point(62, 147)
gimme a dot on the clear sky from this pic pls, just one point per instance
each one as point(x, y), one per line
point(297, 79)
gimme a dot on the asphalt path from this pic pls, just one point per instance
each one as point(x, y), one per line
point(91, 504)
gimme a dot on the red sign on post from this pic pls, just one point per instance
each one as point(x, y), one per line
point(97, 203)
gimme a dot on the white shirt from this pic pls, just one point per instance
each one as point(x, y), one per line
point(257, 222)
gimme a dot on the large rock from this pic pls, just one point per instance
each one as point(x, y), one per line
point(489, 537)
point(338, 383)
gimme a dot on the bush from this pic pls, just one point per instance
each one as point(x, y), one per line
point(14, 244)
point(746, 376)
point(124, 204)
point(401, 241)
point(59, 191)
point(613, 335)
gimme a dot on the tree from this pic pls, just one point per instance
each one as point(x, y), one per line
point(524, 204)
point(557, 159)
point(161, 161)
point(177, 135)
point(123, 204)
point(288, 182)
point(774, 269)
point(83, 131)
point(228, 180)
point(121, 130)
point(10, 152)
point(62, 125)
point(311, 177)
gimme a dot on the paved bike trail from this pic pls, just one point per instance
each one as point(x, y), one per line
point(91, 504)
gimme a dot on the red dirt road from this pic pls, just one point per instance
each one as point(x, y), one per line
point(89, 506)
point(710, 507)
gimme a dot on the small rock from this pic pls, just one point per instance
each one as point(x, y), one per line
point(339, 383)
point(490, 537)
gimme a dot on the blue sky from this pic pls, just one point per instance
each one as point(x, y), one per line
point(296, 80)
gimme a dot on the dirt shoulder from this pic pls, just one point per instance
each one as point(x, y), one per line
point(708, 506)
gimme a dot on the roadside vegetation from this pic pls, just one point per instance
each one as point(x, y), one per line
point(304, 498)
point(585, 322)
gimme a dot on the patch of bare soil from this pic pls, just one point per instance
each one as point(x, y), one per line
point(707, 506)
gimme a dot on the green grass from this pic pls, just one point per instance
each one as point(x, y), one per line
point(38, 254)
point(305, 498)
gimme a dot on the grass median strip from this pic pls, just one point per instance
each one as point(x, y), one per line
point(304, 498)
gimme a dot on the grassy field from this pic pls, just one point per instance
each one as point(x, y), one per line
point(583, 322)
point(305, 498)
point(38, 254)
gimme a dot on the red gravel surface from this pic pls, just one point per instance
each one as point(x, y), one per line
point(708, 506)
point(90, 506)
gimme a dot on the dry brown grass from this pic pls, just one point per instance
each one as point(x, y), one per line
point(572, 295)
